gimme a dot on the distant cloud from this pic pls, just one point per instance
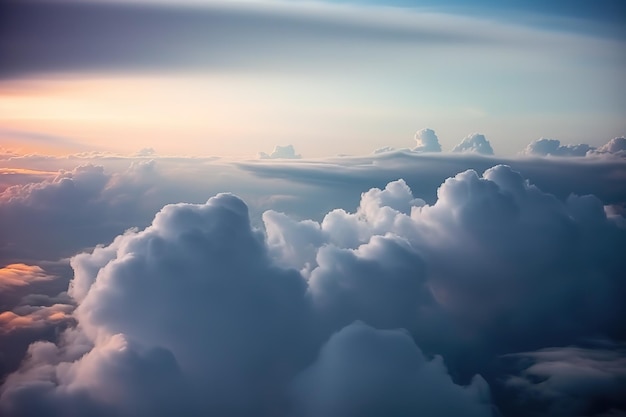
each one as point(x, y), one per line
point(19, 275)
point(145, 152)
point(616, 146)
point(571, 380)
point(353, 310)
point(475, 143)
point(553, 147)
point(427, 141)
point(34, 317)
point(384, 149)
point(281, 152)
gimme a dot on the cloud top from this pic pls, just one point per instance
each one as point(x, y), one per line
point(281, 152)
point(474, 143)
point(427, 141)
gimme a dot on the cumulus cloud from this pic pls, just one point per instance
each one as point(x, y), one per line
point(427, 141)
point(281, 152)
point(76, 209)
point(188, 264)
point(140, 348)
point(553, 147)
point(475, 143)
point(364, 372)
point(616, 146)
point(393, 256)
point(201, 312)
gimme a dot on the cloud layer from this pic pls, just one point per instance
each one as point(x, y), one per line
point(201, 312)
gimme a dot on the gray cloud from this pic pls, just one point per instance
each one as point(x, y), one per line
point(344, 179)
point(90, 36)
point(479, 266)
point(364, 372)
point(585, 381)
point(140, 349)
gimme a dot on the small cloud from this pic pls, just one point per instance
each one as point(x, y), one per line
point(427, 141)
point(281, 152)
point(474, 143)
point(19, 275)
point(27, 317)
point(384, 149)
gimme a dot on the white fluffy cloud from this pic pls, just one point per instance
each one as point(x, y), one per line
point(475, 143)
point(553, 147)
point(496, 253)
point(616, 146)
point(191, 314)
point(427, 141)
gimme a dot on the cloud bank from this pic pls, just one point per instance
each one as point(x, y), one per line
point(138, 350)
point(201, 312)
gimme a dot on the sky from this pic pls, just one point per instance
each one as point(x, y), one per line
point(235, 78)
point(313, 209)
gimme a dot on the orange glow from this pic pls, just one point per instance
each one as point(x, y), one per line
point(25, 171)
point(39, 317)
point(19, 275)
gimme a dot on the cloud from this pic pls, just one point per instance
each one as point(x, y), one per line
point(79, 208)
point(19, 275)
point(140, 348)
point(553, 147)
point(275, 35)
point(616, 146)
point(427, 141)
point(475, 143)
point(342, 180)
point(44, 218)
point(384, 149)
point(188, 264)
point(281, 152)
point(587, 381)
point(362, 371)
point(34, 317)
point(203, 310)
point(456, 261)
